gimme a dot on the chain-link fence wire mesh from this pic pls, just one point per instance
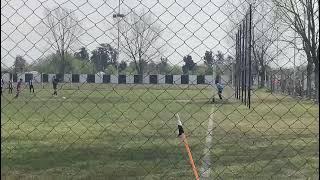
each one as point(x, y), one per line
point(124, 69)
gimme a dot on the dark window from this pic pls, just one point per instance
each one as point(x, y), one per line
point(28, 77)
point(45, 78)
point(137, 79)
point(106, 78)
point(75, 78)
point(122, 79)
point(184, 79)
point(153, 79)
point(200, 79)
point(15, 78)
point(218, 79)
point(91, 78)
point(60, 77)
point(169, 79)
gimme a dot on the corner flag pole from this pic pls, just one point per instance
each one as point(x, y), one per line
point(184, 140)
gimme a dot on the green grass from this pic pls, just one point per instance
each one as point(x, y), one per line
point(129, 132)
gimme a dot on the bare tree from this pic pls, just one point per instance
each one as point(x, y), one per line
point(264, 37)
point(20, 64)
point(139, 39)
point(303, 18)
point(63, 28)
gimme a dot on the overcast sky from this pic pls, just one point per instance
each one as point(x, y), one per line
point(189, 26)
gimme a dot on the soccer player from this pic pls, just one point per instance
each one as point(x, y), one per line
point(31, 85)
point(10, 86)
point(18, 88)
point(55, 84)
point(220, 88)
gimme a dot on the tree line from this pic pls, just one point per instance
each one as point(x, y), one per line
point(104, 58)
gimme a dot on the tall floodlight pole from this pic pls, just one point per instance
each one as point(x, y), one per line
point(118, 16)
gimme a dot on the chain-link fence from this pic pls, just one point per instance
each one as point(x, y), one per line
point(92, 89)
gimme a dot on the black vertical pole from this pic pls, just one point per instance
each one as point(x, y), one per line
point(250, 49)
point(242, 61)
point(245, 58)
point(237, 66)
point(235, 84)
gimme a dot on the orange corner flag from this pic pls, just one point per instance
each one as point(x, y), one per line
point(184, 140)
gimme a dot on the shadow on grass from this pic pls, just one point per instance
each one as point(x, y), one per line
point(96, 161)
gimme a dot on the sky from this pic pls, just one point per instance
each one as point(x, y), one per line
point(188, 26)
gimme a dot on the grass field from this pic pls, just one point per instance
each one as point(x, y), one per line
point(130, 132)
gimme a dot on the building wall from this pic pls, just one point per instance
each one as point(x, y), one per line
point(114, 79)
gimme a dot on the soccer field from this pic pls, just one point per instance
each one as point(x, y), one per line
point(130, 132)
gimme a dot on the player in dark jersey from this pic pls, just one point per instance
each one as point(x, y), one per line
point(31, 85)
point(10, 87)
point(18, 88)
point(55, 84)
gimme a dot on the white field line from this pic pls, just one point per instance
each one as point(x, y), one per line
point(206, 161)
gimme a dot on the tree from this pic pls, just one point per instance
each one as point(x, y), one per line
point(202, 70)
point(131, 69)
point(139, 39)
point(63, 28)
point(163, 65)
point(228, 64)
point(82, 54)
point(176, 70)
point(103, 56)
point(110, 69)
point(303, 18)
point(219, 62)
point(229, 60)
point(189, 64)
point(122, 66)
point(20, 64)
point(152, 68)
point(219, 58)
point(51, 64)
point(208, 61)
